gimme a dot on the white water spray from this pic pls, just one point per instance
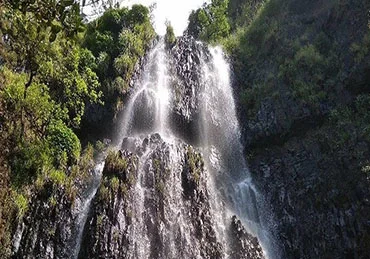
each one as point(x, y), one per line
point(84, 206)
point(222, 146)
point(147, 108)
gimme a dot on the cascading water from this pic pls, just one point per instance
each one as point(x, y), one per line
point(176, 205)
point(83, 207)
point(221, 144)
point(147, 109)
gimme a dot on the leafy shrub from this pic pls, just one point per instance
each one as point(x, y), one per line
point(170, 37)
point(28, 160)
point(21, 203)
point(210, 23)
point(124, 65)
point(57, 177)
point(62, 139)
point(117, 40)
point(114, 164)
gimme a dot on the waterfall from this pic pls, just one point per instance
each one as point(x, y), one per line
point(222, 145)
point(170, 213)
point(147, 109)
point(84, 206)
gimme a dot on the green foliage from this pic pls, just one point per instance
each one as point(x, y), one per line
point(243, 12)
point(62, 140)
point(361, 49)
point(114, 182)
point(114, 163)
point(46, 81)
point(195, 162)
point(117, 40)
point(124, 65)
point(170, 37)
point(86, 161)
point(103, 192)
point(99, 146)
point(21, 203)
point(262, 31)
point(32, 26)
point(211, 22)
point(28, 160)
point(274, 54)
point(68, 71)
point(138, 14)
point(57, 177)
point(308, 72)
point(252, 96)
point(348, 124)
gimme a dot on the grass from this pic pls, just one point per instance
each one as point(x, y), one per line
point(114, 163)
point(21, 204)
point(195, 162)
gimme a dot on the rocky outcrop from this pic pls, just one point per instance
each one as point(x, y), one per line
point(244, 245)
point(105, 234)
point(154, 200)
point(187, 55)
point(51, 226)
point(320, 198)
point(187, 85)
point(47, 228)
point(316, 183)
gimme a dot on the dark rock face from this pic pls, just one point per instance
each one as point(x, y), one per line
point(187, 85)
point(244, 245)
point(318, 189)
point(176, 220)
point(280, 113)
point(106, 230)
point(321, 200)
point(47, 227)
point(187, 54)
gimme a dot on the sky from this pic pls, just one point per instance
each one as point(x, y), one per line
point(175, 11)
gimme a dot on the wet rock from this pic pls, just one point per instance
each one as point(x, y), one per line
point(163, 211)
point(187, 55)
point(187, 85)
point(244, 245)
point(318, 198)
point(48, 226)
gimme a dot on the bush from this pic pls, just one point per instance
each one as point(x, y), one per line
point(63, 140)
point(57, 177)
point(170, 37)
point(28, 160)
point(117, 40)
point(21, 203)
point(114, 164)
point(124, 65)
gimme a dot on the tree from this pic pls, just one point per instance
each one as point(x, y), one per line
point(210, 23)
point(117, 40)
point(170, 37)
